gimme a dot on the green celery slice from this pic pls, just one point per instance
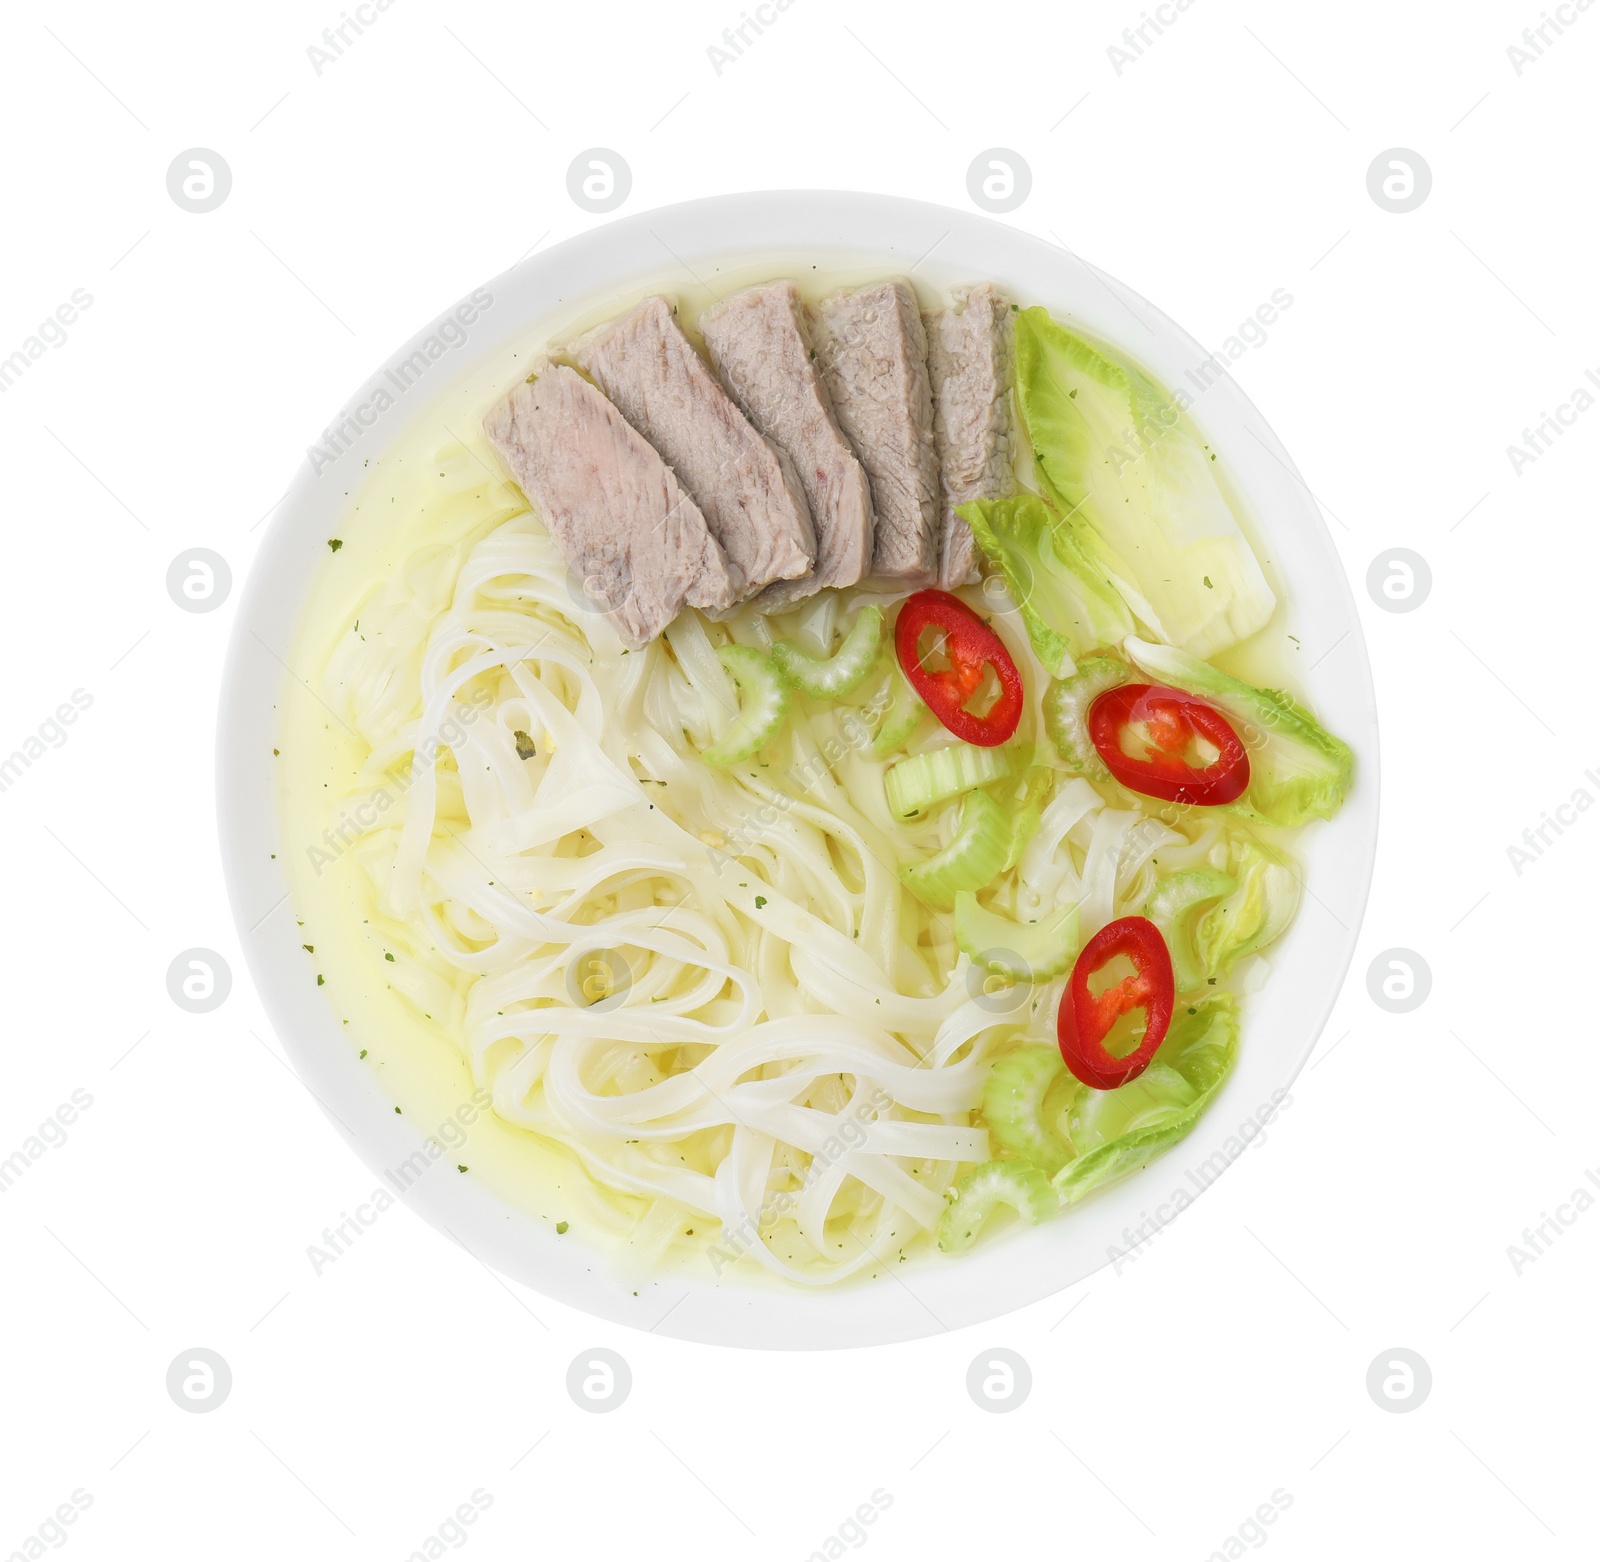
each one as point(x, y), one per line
point(899, 708)
point(763, 705)
point(980, 1193)
point(1066, 712)
point(826, 678)
point(1015, 1097)
point(917, 783)
point(1024, 804)
point(970, 861)
point(1024, 951)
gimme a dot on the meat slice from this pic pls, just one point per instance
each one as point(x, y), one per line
point(758, 345)
point(969, 363)
point(747, 489)
point(635, 538)
point(874, 359)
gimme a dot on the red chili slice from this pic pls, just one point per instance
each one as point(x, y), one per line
point(969, 645)
point(1085, 1019)
point(1171, 722)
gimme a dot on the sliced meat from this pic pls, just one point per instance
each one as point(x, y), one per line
point(874, 359)
point(969, 364)
point(746, 487)
point(633, 536)
point(758, 345)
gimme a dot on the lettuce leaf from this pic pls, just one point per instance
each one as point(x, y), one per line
point(1172, 906)
point(1298, 770)
point(1058, 574)
point(1113, 452)
point(1117, 1131)
point(1261, 906)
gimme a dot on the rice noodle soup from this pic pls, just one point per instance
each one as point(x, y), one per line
point(725, 908)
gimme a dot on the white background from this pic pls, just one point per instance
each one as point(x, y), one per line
point(1230, 1360)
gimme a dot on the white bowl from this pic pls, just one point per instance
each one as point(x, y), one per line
point(1282, 1020)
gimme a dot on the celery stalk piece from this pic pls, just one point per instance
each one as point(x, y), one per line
point(1014, 1106)
point(1066, 712)
point(1026, 809)
point(920, 781)
point(763, 705)
point(1024, 951)
point(900, 709)
point(826, 678)
point(980, 1193)
point(970, 861)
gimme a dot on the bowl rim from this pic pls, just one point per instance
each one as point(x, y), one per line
point(1003, 1275)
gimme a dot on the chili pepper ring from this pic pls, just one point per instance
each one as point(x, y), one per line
point(969, 645)
point(1085, 1019)
point(1169, 721)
